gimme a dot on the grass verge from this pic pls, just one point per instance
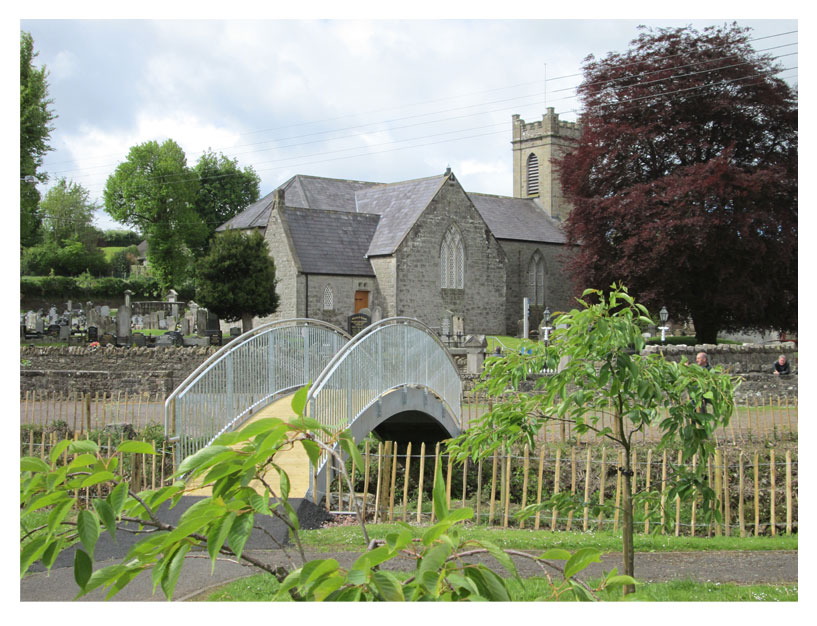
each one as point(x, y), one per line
point(341, 538)
point(261, 587)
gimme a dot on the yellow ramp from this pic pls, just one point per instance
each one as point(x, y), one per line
point(294, 461)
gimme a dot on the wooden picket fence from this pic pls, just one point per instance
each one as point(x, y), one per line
point(84, 412)
point(769, 418)
point(756, 492)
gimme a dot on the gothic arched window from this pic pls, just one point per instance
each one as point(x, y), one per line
point(533, 175)
point(536, 279)
point(452, 260)
point(328, 299)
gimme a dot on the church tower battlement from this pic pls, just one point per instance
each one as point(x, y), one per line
point(534, 145)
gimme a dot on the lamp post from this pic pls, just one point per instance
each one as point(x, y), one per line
point(546, 327)
point(664, 316)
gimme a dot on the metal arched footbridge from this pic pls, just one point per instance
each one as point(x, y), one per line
point(395, 378)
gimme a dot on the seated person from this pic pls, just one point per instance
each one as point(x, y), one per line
point(781, 366)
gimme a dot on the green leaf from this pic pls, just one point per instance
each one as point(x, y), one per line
point(51, 553)
point(324, 567)
point(240, 531)
point(57, 450)
point(200, 458)
point(313, 451)
point(440, 503)
point(173, 570)
point(33, 464)
point(349, 445)
point(388, 586)
point(136, 447)
point(88, 530)
point(83, 445)
point(491, 586)
point(260, 426)
point(117, 498)
point(98, 477)
point(458, 515)
point(59, 513)
point(556, 554)
point(122, 581)
point(299, 400)
point(31, 552)
point(581, 559)
point(617, 581)
point(82, 568)
point(502, 558)
point(328, 586)
point(106, 514)
point(82, 460)
point(217, 536)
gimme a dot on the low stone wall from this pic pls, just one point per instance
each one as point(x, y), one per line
point(107, 370)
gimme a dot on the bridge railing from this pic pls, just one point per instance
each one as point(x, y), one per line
point(246, 374)
point(393, 353)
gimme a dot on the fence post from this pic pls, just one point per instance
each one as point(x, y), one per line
point(772, 511)
point(602, 483)
point(741, 518)
point(525, 469)
point(406, 481)
point(663, 496)
point(493, 493)
point(420, 487)
point(539, 485)
point(367, 468)
point(647, 488)
point(788, 493)
point(586, 491)
point(727, 504)
point(556, 486)
point(757, 495)
point(718, 488)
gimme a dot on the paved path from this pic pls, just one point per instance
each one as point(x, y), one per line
point(737, 567)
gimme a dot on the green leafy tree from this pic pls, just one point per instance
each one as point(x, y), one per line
point(122, 261)
point(155, 191)
point(68, 214)
point(224, 521)
point(35, 129)
point(236, 279)
point(595, 353)
point(224, 189)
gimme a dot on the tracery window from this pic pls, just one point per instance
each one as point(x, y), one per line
point(452, 260)
point(533, 175)
point(536, 279)
point(328, 299)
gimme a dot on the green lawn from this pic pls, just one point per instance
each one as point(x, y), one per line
point(261, 587)
point(111, 250)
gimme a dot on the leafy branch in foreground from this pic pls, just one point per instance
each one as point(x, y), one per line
point(238, 468)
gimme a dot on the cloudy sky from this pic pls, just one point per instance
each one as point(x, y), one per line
point(381, 100)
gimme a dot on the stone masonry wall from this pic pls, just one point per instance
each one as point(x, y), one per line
point(286, 271)
point(558, 290)
point(110, 369)
point(482, 301)
point(752, 362)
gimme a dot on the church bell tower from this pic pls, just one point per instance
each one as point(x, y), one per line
point(534, 145)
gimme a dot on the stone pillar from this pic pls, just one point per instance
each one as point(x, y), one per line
point(123, 331)
point(128, 294)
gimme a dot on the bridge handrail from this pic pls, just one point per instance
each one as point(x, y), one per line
point(238, 378)
point(446, 383)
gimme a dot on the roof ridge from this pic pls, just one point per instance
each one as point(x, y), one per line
point(411, 180)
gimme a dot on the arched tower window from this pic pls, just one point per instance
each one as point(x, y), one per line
point(452, 260)
point(328, 299)
point(533, 175)
point(536, 279)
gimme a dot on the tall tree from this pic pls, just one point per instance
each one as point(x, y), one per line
point(155, 191)
point(236, 279)
point(35, 128)
point(67, 213)
point(224, 189)
point(684, 182)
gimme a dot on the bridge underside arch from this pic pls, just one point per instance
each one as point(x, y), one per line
point(405, 414)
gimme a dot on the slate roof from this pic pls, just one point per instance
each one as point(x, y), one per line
point(331, 242)
point(399, 205)
point(311, 192)
point(517, 218)
point(254, 216)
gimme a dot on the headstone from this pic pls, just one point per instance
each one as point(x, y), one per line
point(107, 339)
point(235, 331)
point(171, 297)
point(358, 322)
point(175, 336)
point(65, 332)
point(377, 314)
point(213, 322)
point(105, 310)
point(187, 326)
point(139, 340)
point(93, 333)
point(93, 317)
point(69, 305)
point(164, 340)
point(52, 315)
point(31, 320)
point(128, 294)
point(123, 320)
point(53, 330)
point(215, 337)
point(39, 325)
point(162, 323)
point(201, 321)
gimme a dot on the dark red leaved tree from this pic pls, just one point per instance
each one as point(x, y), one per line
point(684, 182)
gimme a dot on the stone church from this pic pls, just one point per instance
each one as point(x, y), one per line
point(426, 248)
